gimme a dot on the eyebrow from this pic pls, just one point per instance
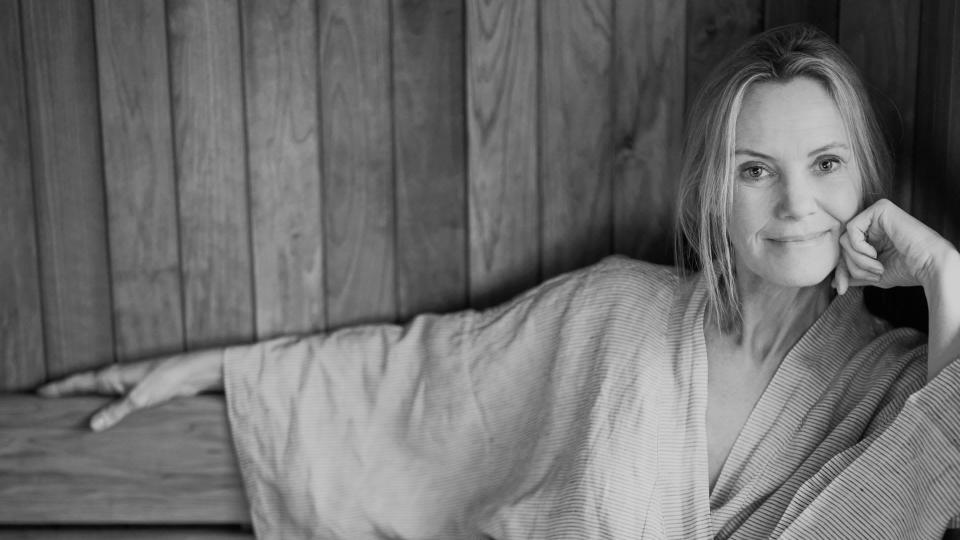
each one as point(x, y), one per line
point(831, 146)
point(824, 148)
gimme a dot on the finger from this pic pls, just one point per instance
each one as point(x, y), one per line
point(857, 272)
point(857, 235)
point(115, 379)
point(113, 413)
point(841, 278)
point(853, 281)
point(858, 258)
point(858, 263)
point(80, 383)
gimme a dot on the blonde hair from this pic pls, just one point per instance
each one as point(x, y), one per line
point(707, 175)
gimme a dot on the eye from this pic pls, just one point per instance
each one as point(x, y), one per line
point(828, 164)
point(754, 171)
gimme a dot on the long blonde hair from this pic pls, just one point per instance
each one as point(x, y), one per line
point(707, 175)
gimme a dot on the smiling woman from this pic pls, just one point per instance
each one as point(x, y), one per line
point(798, 184)
point(779, 112)
point(626, 399)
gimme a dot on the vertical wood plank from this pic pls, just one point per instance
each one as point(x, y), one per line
point(68, 182)
point(648, 123)
point(357, 160)
point(282, 139)
point(936, 191)
point(502, 73)
point(204, 41)
point(21, 331)
point(715, 28)
point(820, 13)
point(951, 174)
point(576, 133)
point(138, 164)
point(882, 39)
point(429, 141)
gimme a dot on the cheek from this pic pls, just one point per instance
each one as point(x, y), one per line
point(844, 203)
point(749, 215)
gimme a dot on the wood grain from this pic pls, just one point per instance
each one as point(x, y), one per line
point(936, 193)
point(648, 121)
point(502, 77)
point(170, 464)
point(576, 114)
point(357, 161)
point(429, 145)
point(882, 39)
point(210, 166)
point(68, 183)
point(138, 164)
point(280, 59)
point(715, 28)
point(820, 13)
point(124, 532)
point(21, 331)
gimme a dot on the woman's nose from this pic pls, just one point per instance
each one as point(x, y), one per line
point(797, 197)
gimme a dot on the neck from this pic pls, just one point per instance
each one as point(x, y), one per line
point(774, 317)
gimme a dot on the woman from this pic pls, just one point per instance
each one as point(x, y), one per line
point(625, 400)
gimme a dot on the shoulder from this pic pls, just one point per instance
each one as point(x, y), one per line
point(619, 280)
point(888, 359)
point(898, 353)
point(619, 271)
point(887, 346)
point(608, 285)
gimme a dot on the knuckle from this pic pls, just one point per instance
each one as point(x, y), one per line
point(108, 380)
point(137, 399)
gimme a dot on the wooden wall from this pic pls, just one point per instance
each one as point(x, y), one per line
point(196, 172)
point(187, 173)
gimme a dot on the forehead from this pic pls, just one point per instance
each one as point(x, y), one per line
point(797, 115)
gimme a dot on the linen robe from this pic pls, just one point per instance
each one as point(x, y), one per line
point(577, 410)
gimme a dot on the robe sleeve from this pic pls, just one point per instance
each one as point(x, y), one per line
point(905, 483)
point(414, 431)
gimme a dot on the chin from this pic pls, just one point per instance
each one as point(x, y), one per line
point(800, 273)
point(802, 279)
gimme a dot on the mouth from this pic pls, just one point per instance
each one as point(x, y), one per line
point(799, 238)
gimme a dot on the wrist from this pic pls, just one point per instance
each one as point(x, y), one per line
point(207, 368)
point(943, 301)
point(942, 273)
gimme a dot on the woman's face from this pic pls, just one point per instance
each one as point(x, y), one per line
point(797, 184)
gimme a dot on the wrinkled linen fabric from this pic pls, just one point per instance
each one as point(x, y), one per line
point(577, 410)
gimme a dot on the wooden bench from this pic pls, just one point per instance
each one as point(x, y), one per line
point(163, 473)
point(170, 465)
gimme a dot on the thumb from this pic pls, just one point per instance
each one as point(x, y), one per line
point(116, 411)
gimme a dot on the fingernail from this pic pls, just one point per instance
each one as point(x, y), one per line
point(98, 423)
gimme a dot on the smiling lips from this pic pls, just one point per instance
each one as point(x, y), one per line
point(799, 238)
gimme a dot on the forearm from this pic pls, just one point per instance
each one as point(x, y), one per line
point(943, 301)
point(206, 369)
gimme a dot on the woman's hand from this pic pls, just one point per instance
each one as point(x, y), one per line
point(142, 384)
point(886, 247)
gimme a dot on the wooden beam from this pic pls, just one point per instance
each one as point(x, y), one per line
point(126, 533)
point(166, 465)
